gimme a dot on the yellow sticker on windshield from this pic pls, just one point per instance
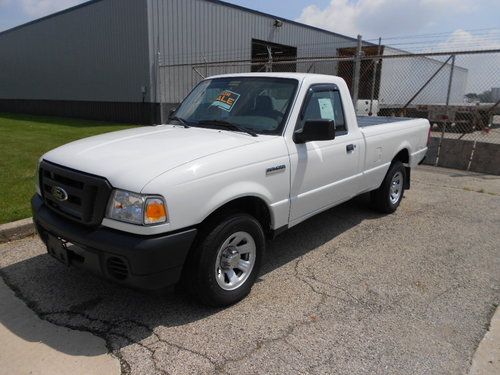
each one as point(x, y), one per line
point(226, 100)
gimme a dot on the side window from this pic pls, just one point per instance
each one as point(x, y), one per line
point(325, 105)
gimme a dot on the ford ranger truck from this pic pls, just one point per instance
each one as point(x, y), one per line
point(243, 158)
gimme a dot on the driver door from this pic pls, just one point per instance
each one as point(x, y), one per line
point(324, 173)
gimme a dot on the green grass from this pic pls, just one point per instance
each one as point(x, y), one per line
point(23, 139)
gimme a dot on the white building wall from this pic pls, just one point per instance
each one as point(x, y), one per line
point(401, 78)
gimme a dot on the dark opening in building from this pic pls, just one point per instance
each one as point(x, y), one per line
point(346, 71)
point(265, 56)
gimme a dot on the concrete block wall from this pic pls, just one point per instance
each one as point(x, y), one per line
point(456, 153)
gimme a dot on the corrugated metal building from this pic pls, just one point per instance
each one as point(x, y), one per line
point(91, 61)
point(112, 59)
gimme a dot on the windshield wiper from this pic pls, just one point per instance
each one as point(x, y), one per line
point(228, 125)
point(181, 120)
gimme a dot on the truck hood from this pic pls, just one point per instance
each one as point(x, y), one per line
point(129, 159)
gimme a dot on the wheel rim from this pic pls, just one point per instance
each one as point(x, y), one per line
point(235, 260)
point(396, 187)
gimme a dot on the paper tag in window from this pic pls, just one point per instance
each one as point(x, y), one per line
point(326, 109)
point(226, 100)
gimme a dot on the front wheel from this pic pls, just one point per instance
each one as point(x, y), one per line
point(226, 261)
point(388, 196)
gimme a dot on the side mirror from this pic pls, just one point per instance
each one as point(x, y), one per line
point(315, 130)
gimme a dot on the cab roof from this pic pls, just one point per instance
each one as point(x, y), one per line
point(298, 76)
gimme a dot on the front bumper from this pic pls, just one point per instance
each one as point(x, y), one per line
point(144, 262)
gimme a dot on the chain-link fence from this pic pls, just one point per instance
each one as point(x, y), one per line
point(458, 92)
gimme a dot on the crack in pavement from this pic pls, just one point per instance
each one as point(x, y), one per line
point(311, 277)
point(313, 288)
point(108, 329)
point(106, 334)
point(312, 368)
point(114, 328)
point(262, 343)
point(288, 331)
point(124, 365)
point(480, 191)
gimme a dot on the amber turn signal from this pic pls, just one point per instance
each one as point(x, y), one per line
point(155, 211)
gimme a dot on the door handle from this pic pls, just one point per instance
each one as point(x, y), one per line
point(350, 148)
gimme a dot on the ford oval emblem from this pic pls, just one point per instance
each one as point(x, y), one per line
point(59, 193)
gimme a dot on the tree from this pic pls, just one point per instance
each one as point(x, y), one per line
point(486, 96)
point(471, 97)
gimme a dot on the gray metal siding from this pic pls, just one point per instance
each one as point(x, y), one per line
point(97, 52)
point(192, 31)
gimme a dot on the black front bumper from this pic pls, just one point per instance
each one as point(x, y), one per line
point(144, 262)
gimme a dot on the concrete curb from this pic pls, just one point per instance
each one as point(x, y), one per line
point(486, 360)
point(16, 230)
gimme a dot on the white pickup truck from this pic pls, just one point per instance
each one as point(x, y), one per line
point(243, 158)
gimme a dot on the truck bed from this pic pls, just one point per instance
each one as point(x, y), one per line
point(365, 121)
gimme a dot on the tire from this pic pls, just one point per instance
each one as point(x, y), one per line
point(215, 274)
point(388, 196)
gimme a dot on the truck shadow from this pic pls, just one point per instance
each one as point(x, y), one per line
point(81, 301)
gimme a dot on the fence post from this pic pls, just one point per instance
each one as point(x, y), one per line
point(195, 69)
point(159, 86)
point(269, 64)
point(447, 111)
point(375, 68)
point(357, 69)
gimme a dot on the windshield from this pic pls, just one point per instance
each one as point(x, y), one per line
point(258, 104)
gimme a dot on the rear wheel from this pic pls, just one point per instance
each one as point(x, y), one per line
point(226, 262)
point(389, 195)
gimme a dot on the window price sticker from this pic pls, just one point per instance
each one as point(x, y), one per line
point(326, 108)
point(226, 100)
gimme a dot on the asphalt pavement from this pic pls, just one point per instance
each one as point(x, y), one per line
point(347, 292)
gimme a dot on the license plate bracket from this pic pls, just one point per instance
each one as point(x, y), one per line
point(57, 249)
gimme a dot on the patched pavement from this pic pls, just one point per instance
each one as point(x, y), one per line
point(347, 292)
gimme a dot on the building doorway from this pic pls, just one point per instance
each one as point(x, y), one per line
point(265, 56)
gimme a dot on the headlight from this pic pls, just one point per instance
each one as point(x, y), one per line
point(136, 208)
